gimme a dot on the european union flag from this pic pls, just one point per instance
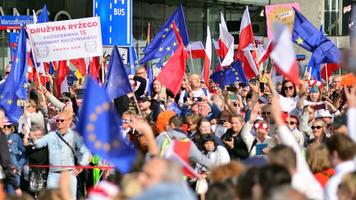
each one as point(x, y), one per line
point(117, 82)
point(230, 75)
point(304, 33)
point(100, 126)
point(15, 86)
point(43, 17)
point(132, 59)
point(310, 38)
point(165, 42)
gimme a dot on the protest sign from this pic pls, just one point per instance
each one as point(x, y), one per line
point(63, 40)
point(282, 13)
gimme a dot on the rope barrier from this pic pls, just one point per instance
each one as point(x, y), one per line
point(72, 167)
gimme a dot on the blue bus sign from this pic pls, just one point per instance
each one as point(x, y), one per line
point(116, 21)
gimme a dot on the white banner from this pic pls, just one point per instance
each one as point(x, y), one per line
point(63, 40)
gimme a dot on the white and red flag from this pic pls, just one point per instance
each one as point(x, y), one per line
point(226, 44)
point(246, 33)
point(207, 59)
point(179, 151)
point(283, 53)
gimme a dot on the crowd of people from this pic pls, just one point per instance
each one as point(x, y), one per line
point(262, 140)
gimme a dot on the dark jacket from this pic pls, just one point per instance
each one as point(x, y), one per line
point(5, 162)
point(240, 150)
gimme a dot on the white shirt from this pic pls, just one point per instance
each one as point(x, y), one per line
point(333, 183)
point(197, 93)
point(288, 103)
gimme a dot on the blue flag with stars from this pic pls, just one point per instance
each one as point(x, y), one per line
point(117, 80)
point(15, 86)
point(132, 59)
point(310, 38)
point(230, 75)
point(165, 42)
point(100, 126)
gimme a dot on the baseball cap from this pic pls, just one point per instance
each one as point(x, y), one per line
point(143, 98)
point(323, 113)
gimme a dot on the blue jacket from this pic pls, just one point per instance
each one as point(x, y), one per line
point(17, 150)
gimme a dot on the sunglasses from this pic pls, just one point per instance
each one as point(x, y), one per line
point(316, 127)
point(288, 87)
point(7, 126)
point(7, 73)
point(64, 100)
point(291, 123)
point(60, 120)
point(266, 113)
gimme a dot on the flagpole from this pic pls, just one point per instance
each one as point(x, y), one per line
point(37, 75)
point(103, 70)
point(327, 78)
point(191, 58)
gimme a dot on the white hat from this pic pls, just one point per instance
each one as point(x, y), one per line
point(323, 113)
point(6, 121)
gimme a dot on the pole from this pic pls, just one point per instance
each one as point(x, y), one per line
point(103, 70)
point(191, 58)
point(327, 78)
point(37, 75)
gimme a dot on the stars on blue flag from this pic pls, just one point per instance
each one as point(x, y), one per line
point(100, 126)
point(132, 59)
point(117, 82)
point(310, 38)
point(15, 86)
point(165, 43)
point(229, 75)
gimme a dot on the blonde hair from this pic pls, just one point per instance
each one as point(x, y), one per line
point(347, 187)
point(318, 157)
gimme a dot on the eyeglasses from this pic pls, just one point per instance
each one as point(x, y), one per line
point(316, 127)
point(288, 87)
point(291, 123)
point(7, 126)
point(60, 120)
point(266, 113)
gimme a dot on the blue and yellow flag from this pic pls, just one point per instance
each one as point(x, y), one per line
point(100, 126)
point(165, 42)
point(15, 86)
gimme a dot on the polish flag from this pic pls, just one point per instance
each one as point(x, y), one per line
point(246, 33)
point(249, 63)
point(196, 49)
point(283, 53)
point(226, 44)
point(179, 151)
point(328, 70)
point(264, 56)
point(207, 59)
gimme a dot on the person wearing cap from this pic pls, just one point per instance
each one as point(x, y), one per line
point(7, 169)
point(216, 153)
point(17, 152)
point(144, 104)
